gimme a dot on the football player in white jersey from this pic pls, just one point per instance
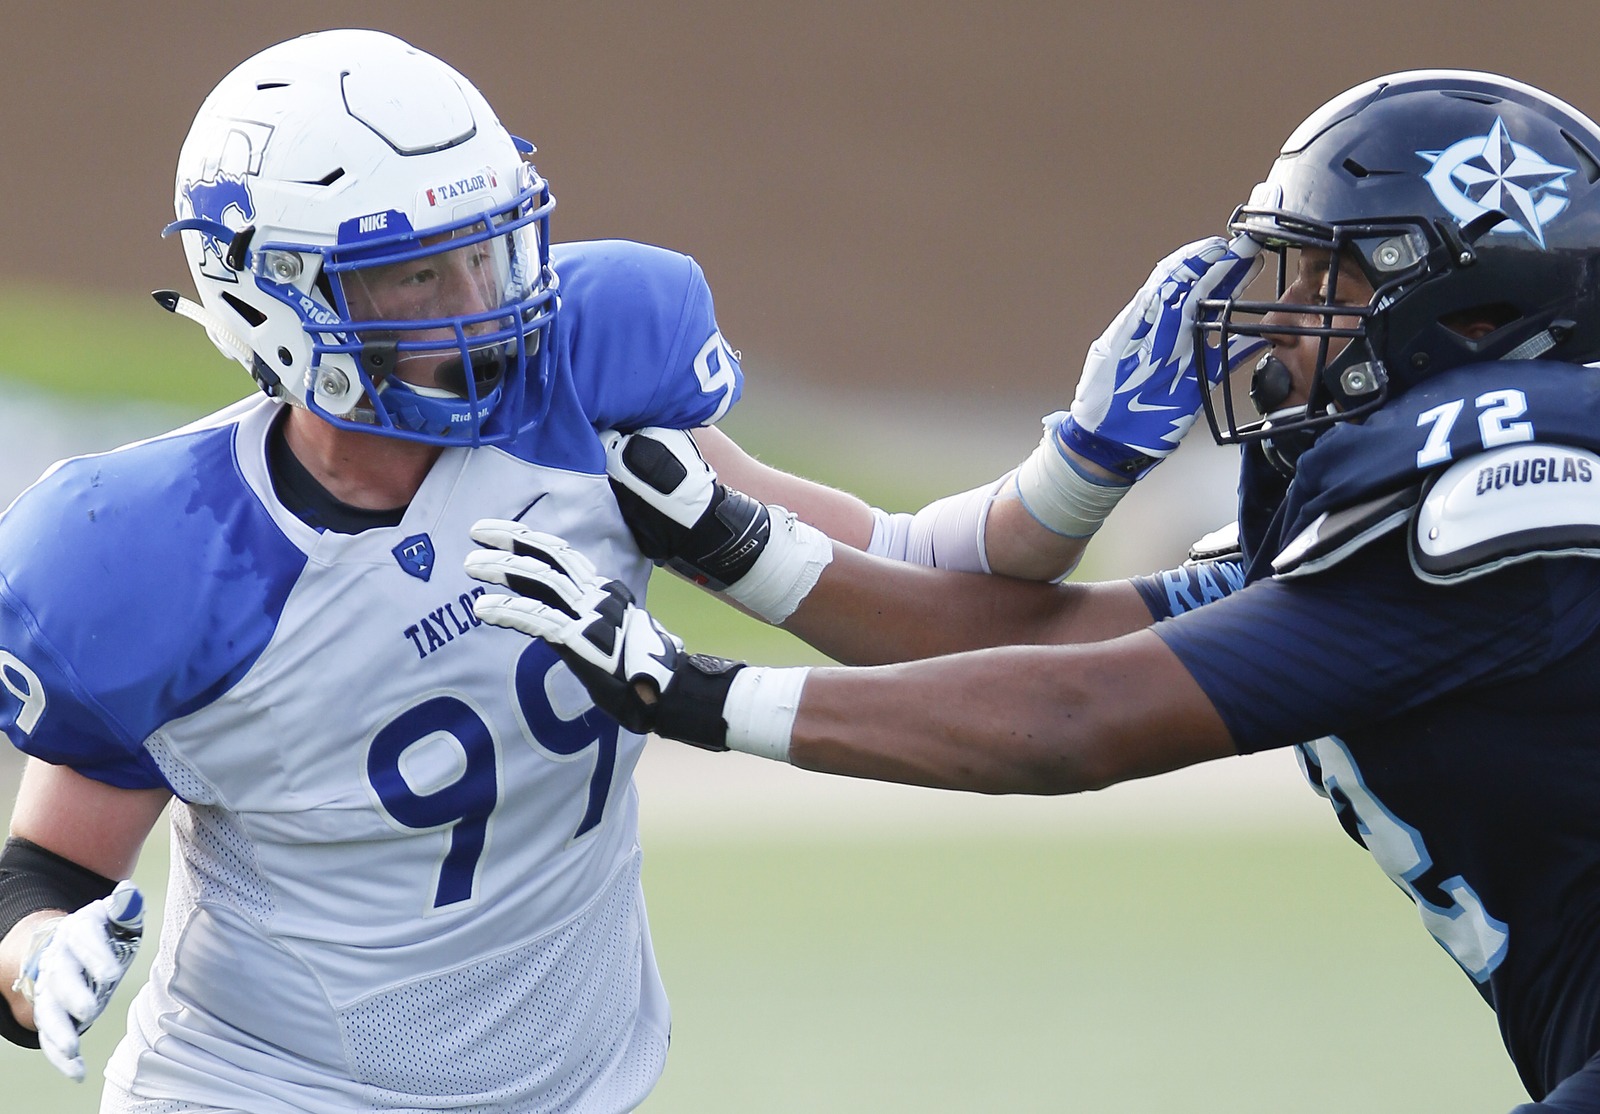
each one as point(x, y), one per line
point(405, 864)
point(405, 871)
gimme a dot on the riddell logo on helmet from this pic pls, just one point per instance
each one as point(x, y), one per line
point(315, 313)
point(477, 183)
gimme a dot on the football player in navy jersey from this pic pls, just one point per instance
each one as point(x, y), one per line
point(1412, 600)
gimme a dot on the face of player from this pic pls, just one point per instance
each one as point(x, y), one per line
point(1316, 281)
point(454, 282)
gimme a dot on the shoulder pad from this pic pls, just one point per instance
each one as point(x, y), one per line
point(1507, 505)
point(1334, 535)
point(1222, 542)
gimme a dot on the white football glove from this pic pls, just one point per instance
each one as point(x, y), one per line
point(1142, 380)
point(611, 645)
point(762, 557)
point(72, 968)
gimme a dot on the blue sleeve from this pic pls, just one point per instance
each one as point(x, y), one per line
point(1189, 586)
point(1285, 661)
point(639, 334)
point(135, 587)
point(48, 714)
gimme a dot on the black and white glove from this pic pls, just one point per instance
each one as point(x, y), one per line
point(635, 670)
point(683, 518)
point(73, 966)
point(679, 514)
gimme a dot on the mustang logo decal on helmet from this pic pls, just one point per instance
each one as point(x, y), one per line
point(221, 192)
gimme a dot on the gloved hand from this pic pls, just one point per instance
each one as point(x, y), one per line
point(74, 965)
point(682, 517)
point(635, 671)
point(1142, 379)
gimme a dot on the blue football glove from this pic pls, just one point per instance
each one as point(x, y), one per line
point(1141, 383)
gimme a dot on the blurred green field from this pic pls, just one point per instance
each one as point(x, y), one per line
point(1177, 969)
point(1192, 971)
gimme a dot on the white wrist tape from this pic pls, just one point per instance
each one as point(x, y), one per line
point(760, 710)
point(946, 534)
point(43, 932)
point(1061, 498)
point(788, 568)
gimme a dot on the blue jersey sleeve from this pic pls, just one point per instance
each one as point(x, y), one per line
point(638, 333)
point(1286, 661)
point(47, 713)
point(135, 586)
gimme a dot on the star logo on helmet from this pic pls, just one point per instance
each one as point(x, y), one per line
point(1494, 172)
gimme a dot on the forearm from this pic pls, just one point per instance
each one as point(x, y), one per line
point(1007, 719)
point(1018, 546)
point(1037, 720)
point(73, 837)
point(97, 826)
point(840, 515)
point(866, 610)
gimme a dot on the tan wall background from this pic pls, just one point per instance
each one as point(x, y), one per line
point(949, 195)
point(942, 202)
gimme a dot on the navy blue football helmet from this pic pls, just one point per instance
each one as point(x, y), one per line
point(1461, 196)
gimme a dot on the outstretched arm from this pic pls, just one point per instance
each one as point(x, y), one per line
point(1012, 719)
point(1013, 542)
point(852, 606)
point(1022, 719)
point(866, 610)
point(838, 514)
point(1137, 395)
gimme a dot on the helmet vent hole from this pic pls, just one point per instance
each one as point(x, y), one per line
point(1464, 95)
point(331, 176)
point(1355, 169)
point(245, 310)
point(265, 85)
point(1586, 161)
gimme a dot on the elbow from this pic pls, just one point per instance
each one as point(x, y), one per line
point(1083, 759)
point(1038, 768)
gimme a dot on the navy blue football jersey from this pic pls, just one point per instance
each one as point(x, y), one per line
point(1455, 728)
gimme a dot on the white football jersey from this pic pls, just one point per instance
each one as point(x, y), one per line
point(405, 870)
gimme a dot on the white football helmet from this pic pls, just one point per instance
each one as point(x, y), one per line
point(368, 240)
